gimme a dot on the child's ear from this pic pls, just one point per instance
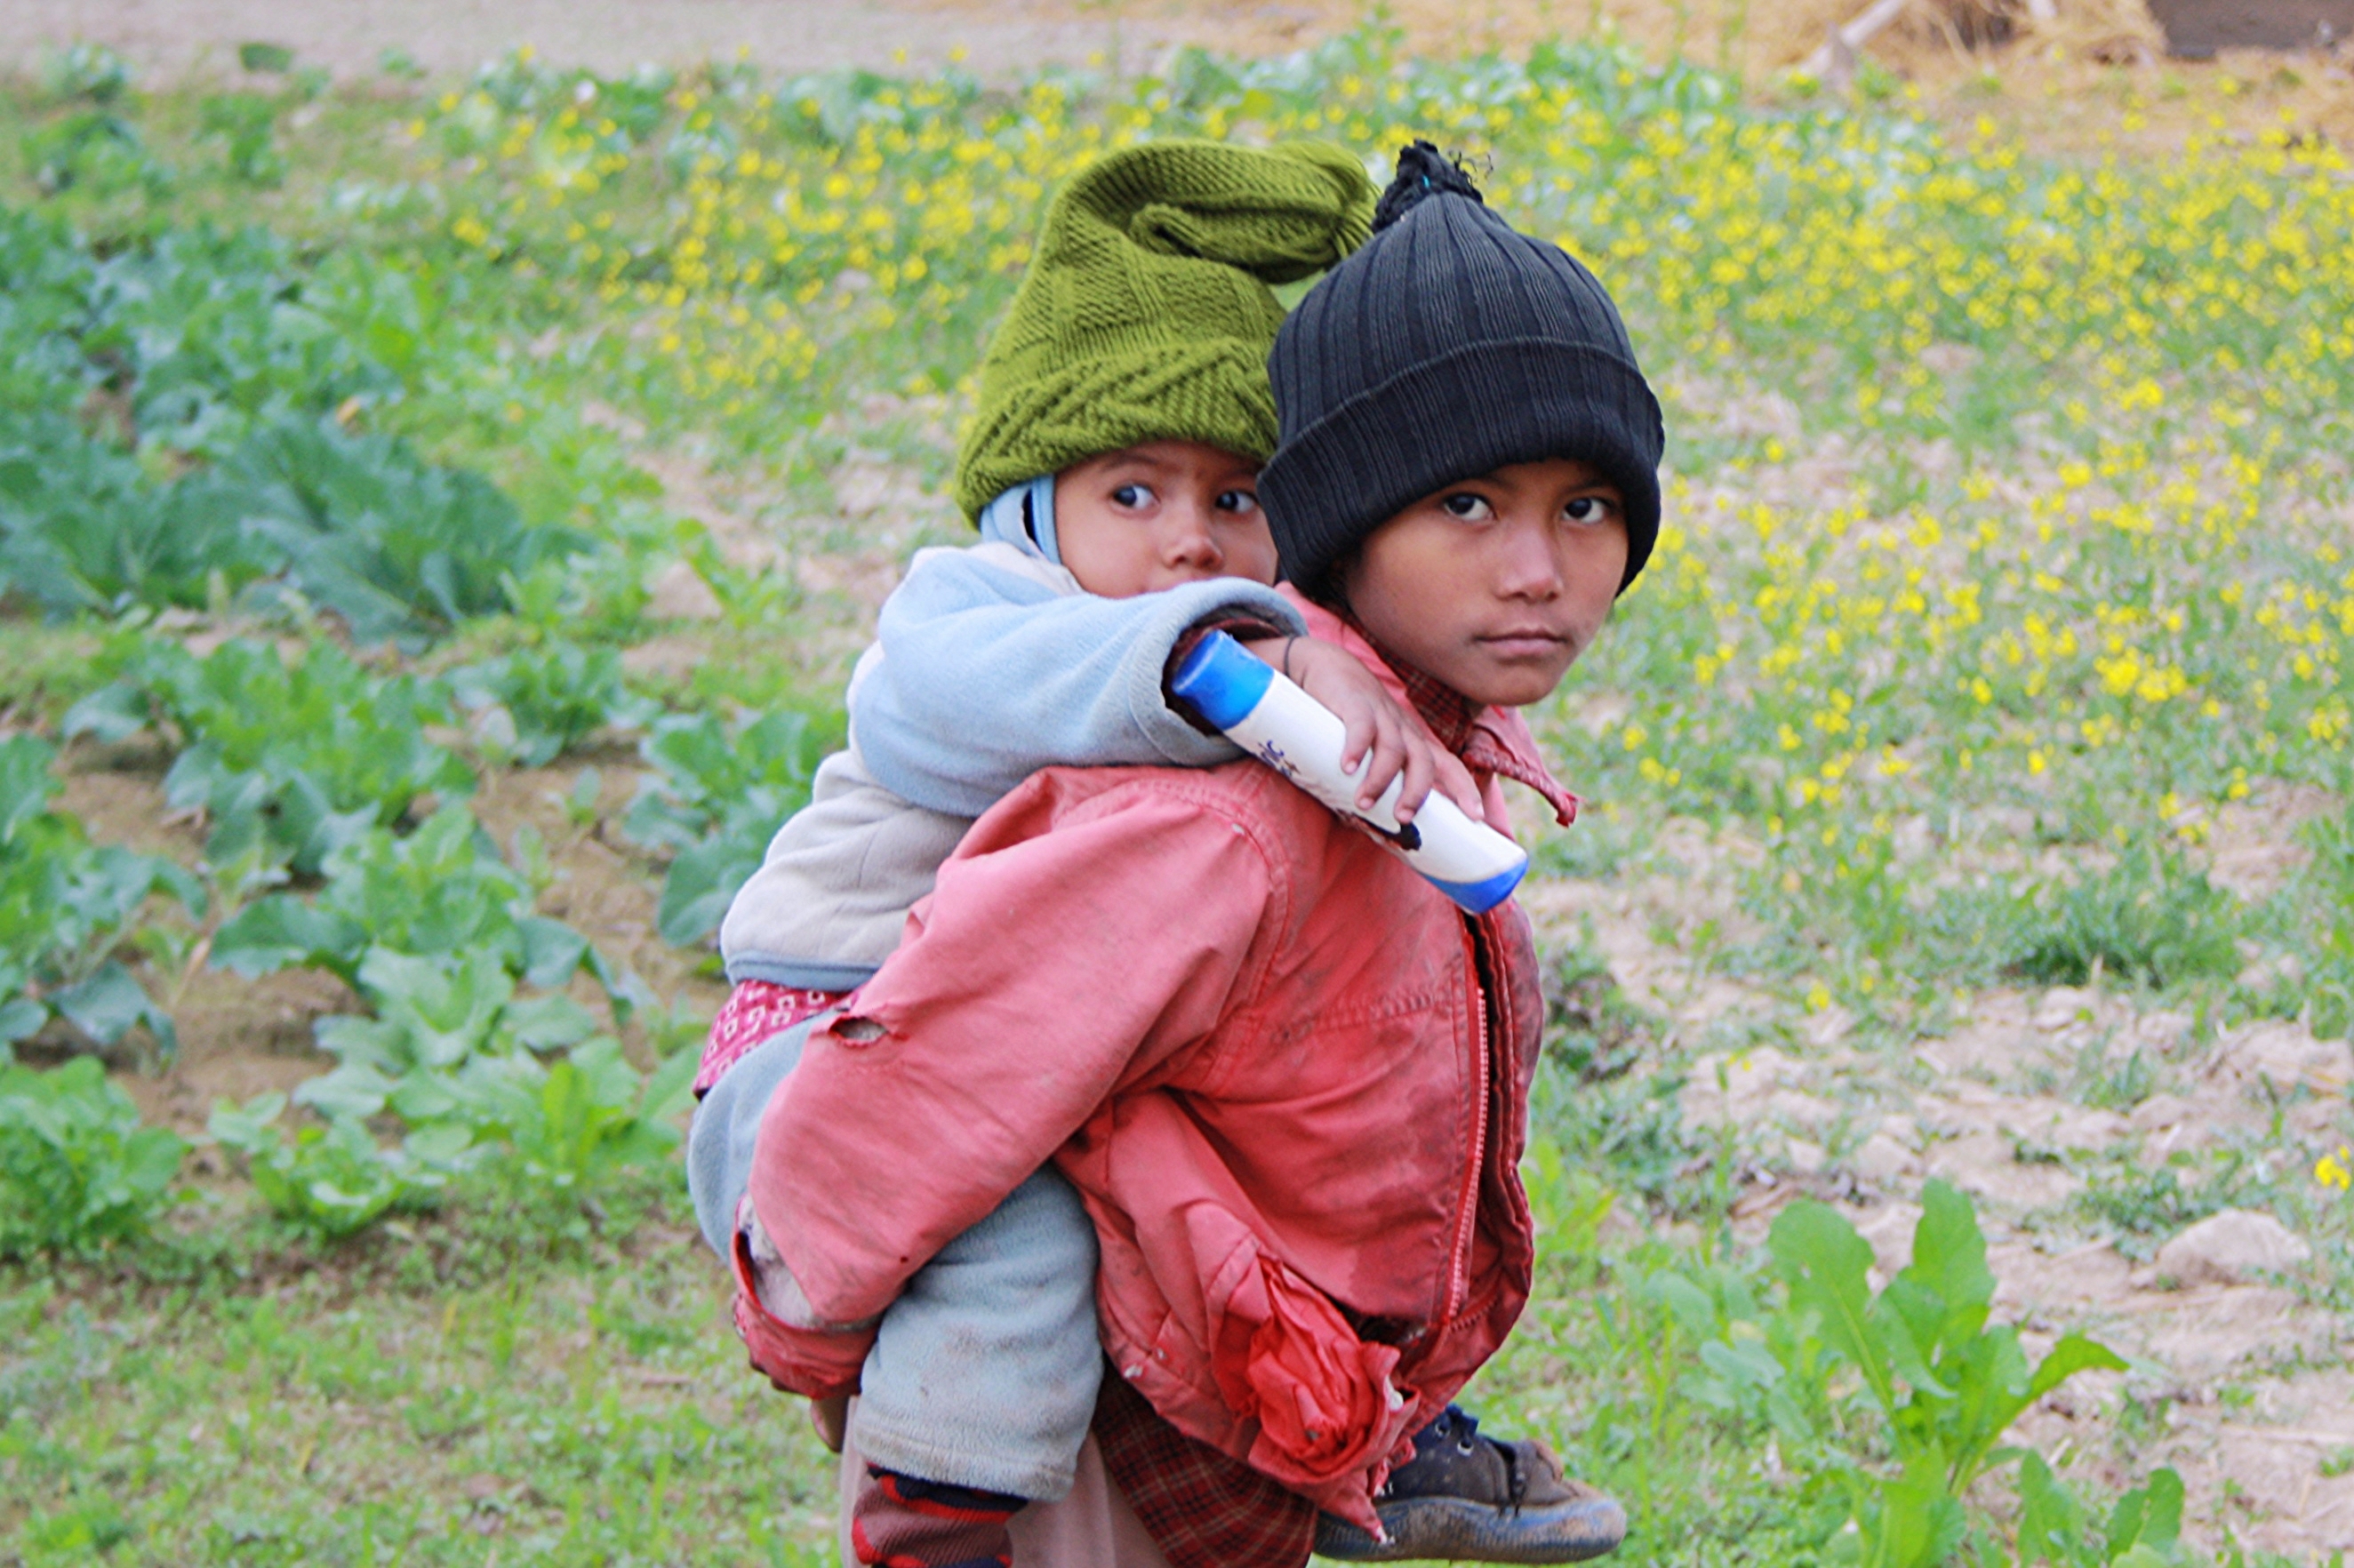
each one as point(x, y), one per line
point(1332, 593)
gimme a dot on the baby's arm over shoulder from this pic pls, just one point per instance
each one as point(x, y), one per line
point(988, 666)
point(1108, 937)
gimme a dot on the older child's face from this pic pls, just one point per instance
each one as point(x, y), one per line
point(1496, 584)
point(1160, 515)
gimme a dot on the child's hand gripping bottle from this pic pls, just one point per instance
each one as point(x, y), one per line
point(1291, 732)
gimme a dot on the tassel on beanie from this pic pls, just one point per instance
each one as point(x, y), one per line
point(1145, 314)
point(1447, 346)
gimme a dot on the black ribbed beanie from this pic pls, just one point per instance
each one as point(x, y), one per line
point(1447, 346)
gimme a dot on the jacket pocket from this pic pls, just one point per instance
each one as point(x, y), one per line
point(1286, 1357)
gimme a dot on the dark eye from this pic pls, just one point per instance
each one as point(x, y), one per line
point(1241, 503)
point(1588, 509)
point(1470, 508)
point(1132, 496)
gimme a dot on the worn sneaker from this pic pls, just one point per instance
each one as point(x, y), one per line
point(1464, 1497)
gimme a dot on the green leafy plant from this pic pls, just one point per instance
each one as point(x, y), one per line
point(219, 347)
point(95, 151)
point(1938, 1385)
point(336, 1180)
point(96, 146)
point(398, 547)
point(717, 794)
point(566, 1125)
point(2143, 1531)
point(245, 123)
point(195, 338)
point(2151, 918)
point(65, 907)
point(296, 759)
point(432, 1015)
point(1590, 1026)
point(533, 704)
point(1766, 1367)
point(85, 71)
point(84, 528)
point(455, 1055)
point(265, 60)
point(1631, 1126)
point(441, 891)
point(77, 1169)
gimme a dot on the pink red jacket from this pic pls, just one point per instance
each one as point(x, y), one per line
point(1288, 1077)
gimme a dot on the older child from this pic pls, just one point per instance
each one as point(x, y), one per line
point(1288, 1079)
point(1123, 417)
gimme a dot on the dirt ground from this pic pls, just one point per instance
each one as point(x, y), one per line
point(818, 34)
point(2091, 75)
point(2244, 1382)
point(456, 34)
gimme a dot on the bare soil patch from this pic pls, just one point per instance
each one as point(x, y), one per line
point(456, 36)
point(239, 1038)
point(606, 887)
point(2091, 79)
point(2241, 1384)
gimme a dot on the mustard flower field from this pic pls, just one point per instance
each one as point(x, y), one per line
point(436, 517)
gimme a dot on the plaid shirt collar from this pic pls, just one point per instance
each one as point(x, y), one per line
point(1488, 740)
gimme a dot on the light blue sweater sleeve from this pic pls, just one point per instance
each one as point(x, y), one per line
point(984, 677)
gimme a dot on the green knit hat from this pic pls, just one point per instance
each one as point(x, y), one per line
point(1146, 314)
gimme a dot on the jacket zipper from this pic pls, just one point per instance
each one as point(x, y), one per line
point(1459, 1282)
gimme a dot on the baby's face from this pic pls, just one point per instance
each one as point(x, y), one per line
point(1156, 515)
point(1496, 584)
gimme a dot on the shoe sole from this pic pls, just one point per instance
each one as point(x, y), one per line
point(1453, 1529)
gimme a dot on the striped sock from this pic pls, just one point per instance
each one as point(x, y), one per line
point(900, 1522)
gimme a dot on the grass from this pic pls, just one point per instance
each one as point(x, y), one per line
point(530, 1383)
point(435, 1392)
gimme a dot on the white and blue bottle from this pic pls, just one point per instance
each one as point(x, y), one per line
point(1271, 718)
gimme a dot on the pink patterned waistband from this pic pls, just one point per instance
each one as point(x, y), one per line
point(755, 1012)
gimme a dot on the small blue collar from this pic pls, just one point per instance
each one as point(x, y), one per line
point(1023, 517)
